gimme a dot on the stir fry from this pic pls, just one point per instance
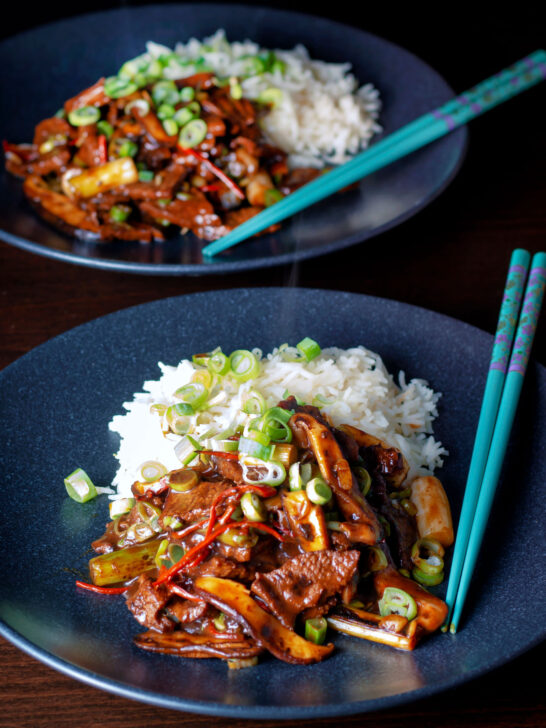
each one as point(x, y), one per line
point(271, 535)
point(136, 158)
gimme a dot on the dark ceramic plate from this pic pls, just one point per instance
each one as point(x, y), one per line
point(55, 406)
point(68, 50)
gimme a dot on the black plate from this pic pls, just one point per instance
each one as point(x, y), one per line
point(69, 51)
point(56, 404)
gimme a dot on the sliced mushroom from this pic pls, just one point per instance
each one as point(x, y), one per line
point(234, 599)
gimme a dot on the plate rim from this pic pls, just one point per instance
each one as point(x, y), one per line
point(150, 697)
point(222, 267)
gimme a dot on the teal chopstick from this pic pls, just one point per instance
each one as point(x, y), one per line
point(417, 134)
point(519, 359)
point(506, 328)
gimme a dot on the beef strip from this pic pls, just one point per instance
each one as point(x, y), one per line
point(304, 582)
point(147, 603)
point(224, 568)
point(229, 469)
point(194, 504)
point(186, 611)
point(403, 528)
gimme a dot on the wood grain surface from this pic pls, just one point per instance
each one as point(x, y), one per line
point(452, 257)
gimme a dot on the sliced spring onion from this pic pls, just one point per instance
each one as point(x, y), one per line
point(397, 601)
point(116, 87)
point(187, 93)
point(84, 116)
point(151, 470)
point(170, 126)
point(193, 133)
point(377, 559)
point(200, 360)
point(119, 213)
point(219, 621)
point(272, 96)
point(79, 486)
point(257, 471)
point(132, 67)
point(165, 111)
point(253, 403)
point(272, 196)
point(204, 377)
point(299, 475)
point(183, 480)
point(254, 449)
point(184, 115)
point(309, 348)
point(223, 445)
point(142, 106)
point(427, 579)
point(155, 69)
point(146, 175)
point(253, 65)
point(120, 506)
point(235, 88)
point(148, 513)
point(137, 533)
point(236, 537)
point(127, 148)
point(253, 507)
point(194, 393)
point(187, 449)
point(318, 491)
point(295, 481)
point(315, 630)
point(104, 127)
point(178, 417)
point(319, 400)
point(165, 92)
point(285, 453)
point(258, 436)
point(427, 555)
point(218, 363)
point(409, 507)
point(195, 107)
point(364, 479)
point(244, 365)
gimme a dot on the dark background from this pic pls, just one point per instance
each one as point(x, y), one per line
point(452, 257)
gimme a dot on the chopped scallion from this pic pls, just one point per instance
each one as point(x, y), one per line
point(79, 486)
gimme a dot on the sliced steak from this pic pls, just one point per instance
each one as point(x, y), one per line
point(194, 504)
point(147, 604)
point(304, 582)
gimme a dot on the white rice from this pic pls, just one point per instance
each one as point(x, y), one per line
point(359, 389)
point(323, 117)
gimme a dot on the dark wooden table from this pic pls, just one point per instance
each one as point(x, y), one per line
point(452, 258)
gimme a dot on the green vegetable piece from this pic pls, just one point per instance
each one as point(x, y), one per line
point(165, 92)
point(427, 579)
point(120, 213)
point(318, 491)
point(116, 87)
point(253, 403)
point(309, 348)
point(80, 487)
point(315, 630)
point(194, 393)
point(272, 196)
point(193, 133)
point(271, 96)
point(124, 564)
point(151, 470)
point(127, 148)
point(397, 601)
point(184, 115)
point(84, 116)
point(165, 111)
point(364, 479)
point(187, 93)
point(104, 127)
point(146, 175)
point(218, 363)
point(254, 448)
point(244, 365)
point(253, 507)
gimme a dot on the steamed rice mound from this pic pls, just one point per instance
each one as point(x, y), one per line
point(351, 386)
